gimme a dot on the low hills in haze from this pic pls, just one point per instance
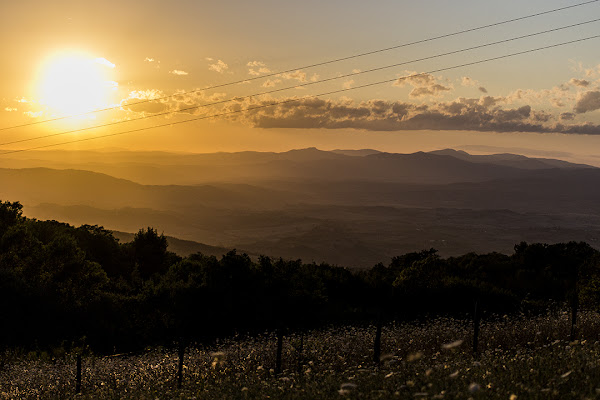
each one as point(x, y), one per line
point(354, 207)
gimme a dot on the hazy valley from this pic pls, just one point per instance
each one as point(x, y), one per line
point(353, 208)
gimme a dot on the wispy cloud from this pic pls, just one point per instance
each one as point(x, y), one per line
point(257, 68)
point(466, 81)
point(348, 84)
point(219, 66)
point(298, 75)
point(423, 84)
point(178, 72)
point(271, 83)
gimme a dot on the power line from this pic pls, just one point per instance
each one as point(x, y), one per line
point(421, 41)
point(296, 86)
point(300, 99)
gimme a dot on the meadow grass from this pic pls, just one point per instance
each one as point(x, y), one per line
point(519, 358)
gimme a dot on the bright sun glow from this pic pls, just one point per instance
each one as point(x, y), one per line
point(73, 83)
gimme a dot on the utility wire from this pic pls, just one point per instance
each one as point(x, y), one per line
point(295, 86)
point(300, 99)
point(421, 41)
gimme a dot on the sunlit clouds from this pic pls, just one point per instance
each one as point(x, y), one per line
point(220, 66)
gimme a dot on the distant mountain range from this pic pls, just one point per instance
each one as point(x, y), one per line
point(352, 207)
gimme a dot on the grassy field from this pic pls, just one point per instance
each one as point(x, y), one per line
point(519, 358)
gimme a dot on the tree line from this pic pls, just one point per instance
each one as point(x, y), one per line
point(62, 285)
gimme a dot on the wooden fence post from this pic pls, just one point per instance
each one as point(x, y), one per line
point(279, 351)
point(377, 343)
point(78, 375)
point(574, 302)
point(300, 355)
point(180, 367)
point(476, 321)
point(574, 306)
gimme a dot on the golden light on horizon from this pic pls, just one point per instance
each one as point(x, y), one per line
point(71, 83)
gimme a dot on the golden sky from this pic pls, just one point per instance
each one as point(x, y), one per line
point(66, 58)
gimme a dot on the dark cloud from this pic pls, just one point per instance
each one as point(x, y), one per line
point(431, 90)
point(579, 82)
point(149, 107)
point(483, 114)
point(482, 89)
point(567, 116)
point(588, 101)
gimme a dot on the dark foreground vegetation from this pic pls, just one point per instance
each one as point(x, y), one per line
point(62, 286)
point(521, 358)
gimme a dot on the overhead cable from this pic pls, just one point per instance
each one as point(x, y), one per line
point(336, 60)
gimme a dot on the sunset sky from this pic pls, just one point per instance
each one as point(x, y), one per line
point(69, 57)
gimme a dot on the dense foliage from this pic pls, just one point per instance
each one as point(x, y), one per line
point(61, 284)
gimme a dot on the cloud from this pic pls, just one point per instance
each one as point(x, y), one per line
point(10, 109)
point(348, 84)
point(219, 66)
point(103, 61)
point(296, 75)
point(271, 83)
point(423, 84)
point(432, 90)
point(559, 96)
point(588, 101)
point(466, 81)
point(567, 116)
point(148, 59)
point(256, 64)
point(34, 114)
point(579, 82)
point(464, 114)
point(259, 71)
point(257, 68)
point(178, 72)
point(149, 106)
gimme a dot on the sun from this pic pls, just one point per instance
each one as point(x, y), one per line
point(73, 83)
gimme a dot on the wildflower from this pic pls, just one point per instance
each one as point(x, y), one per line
point(218, 359)
point(452, 345)
point(474, 387)
point(346, 388)
point(513, 397)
